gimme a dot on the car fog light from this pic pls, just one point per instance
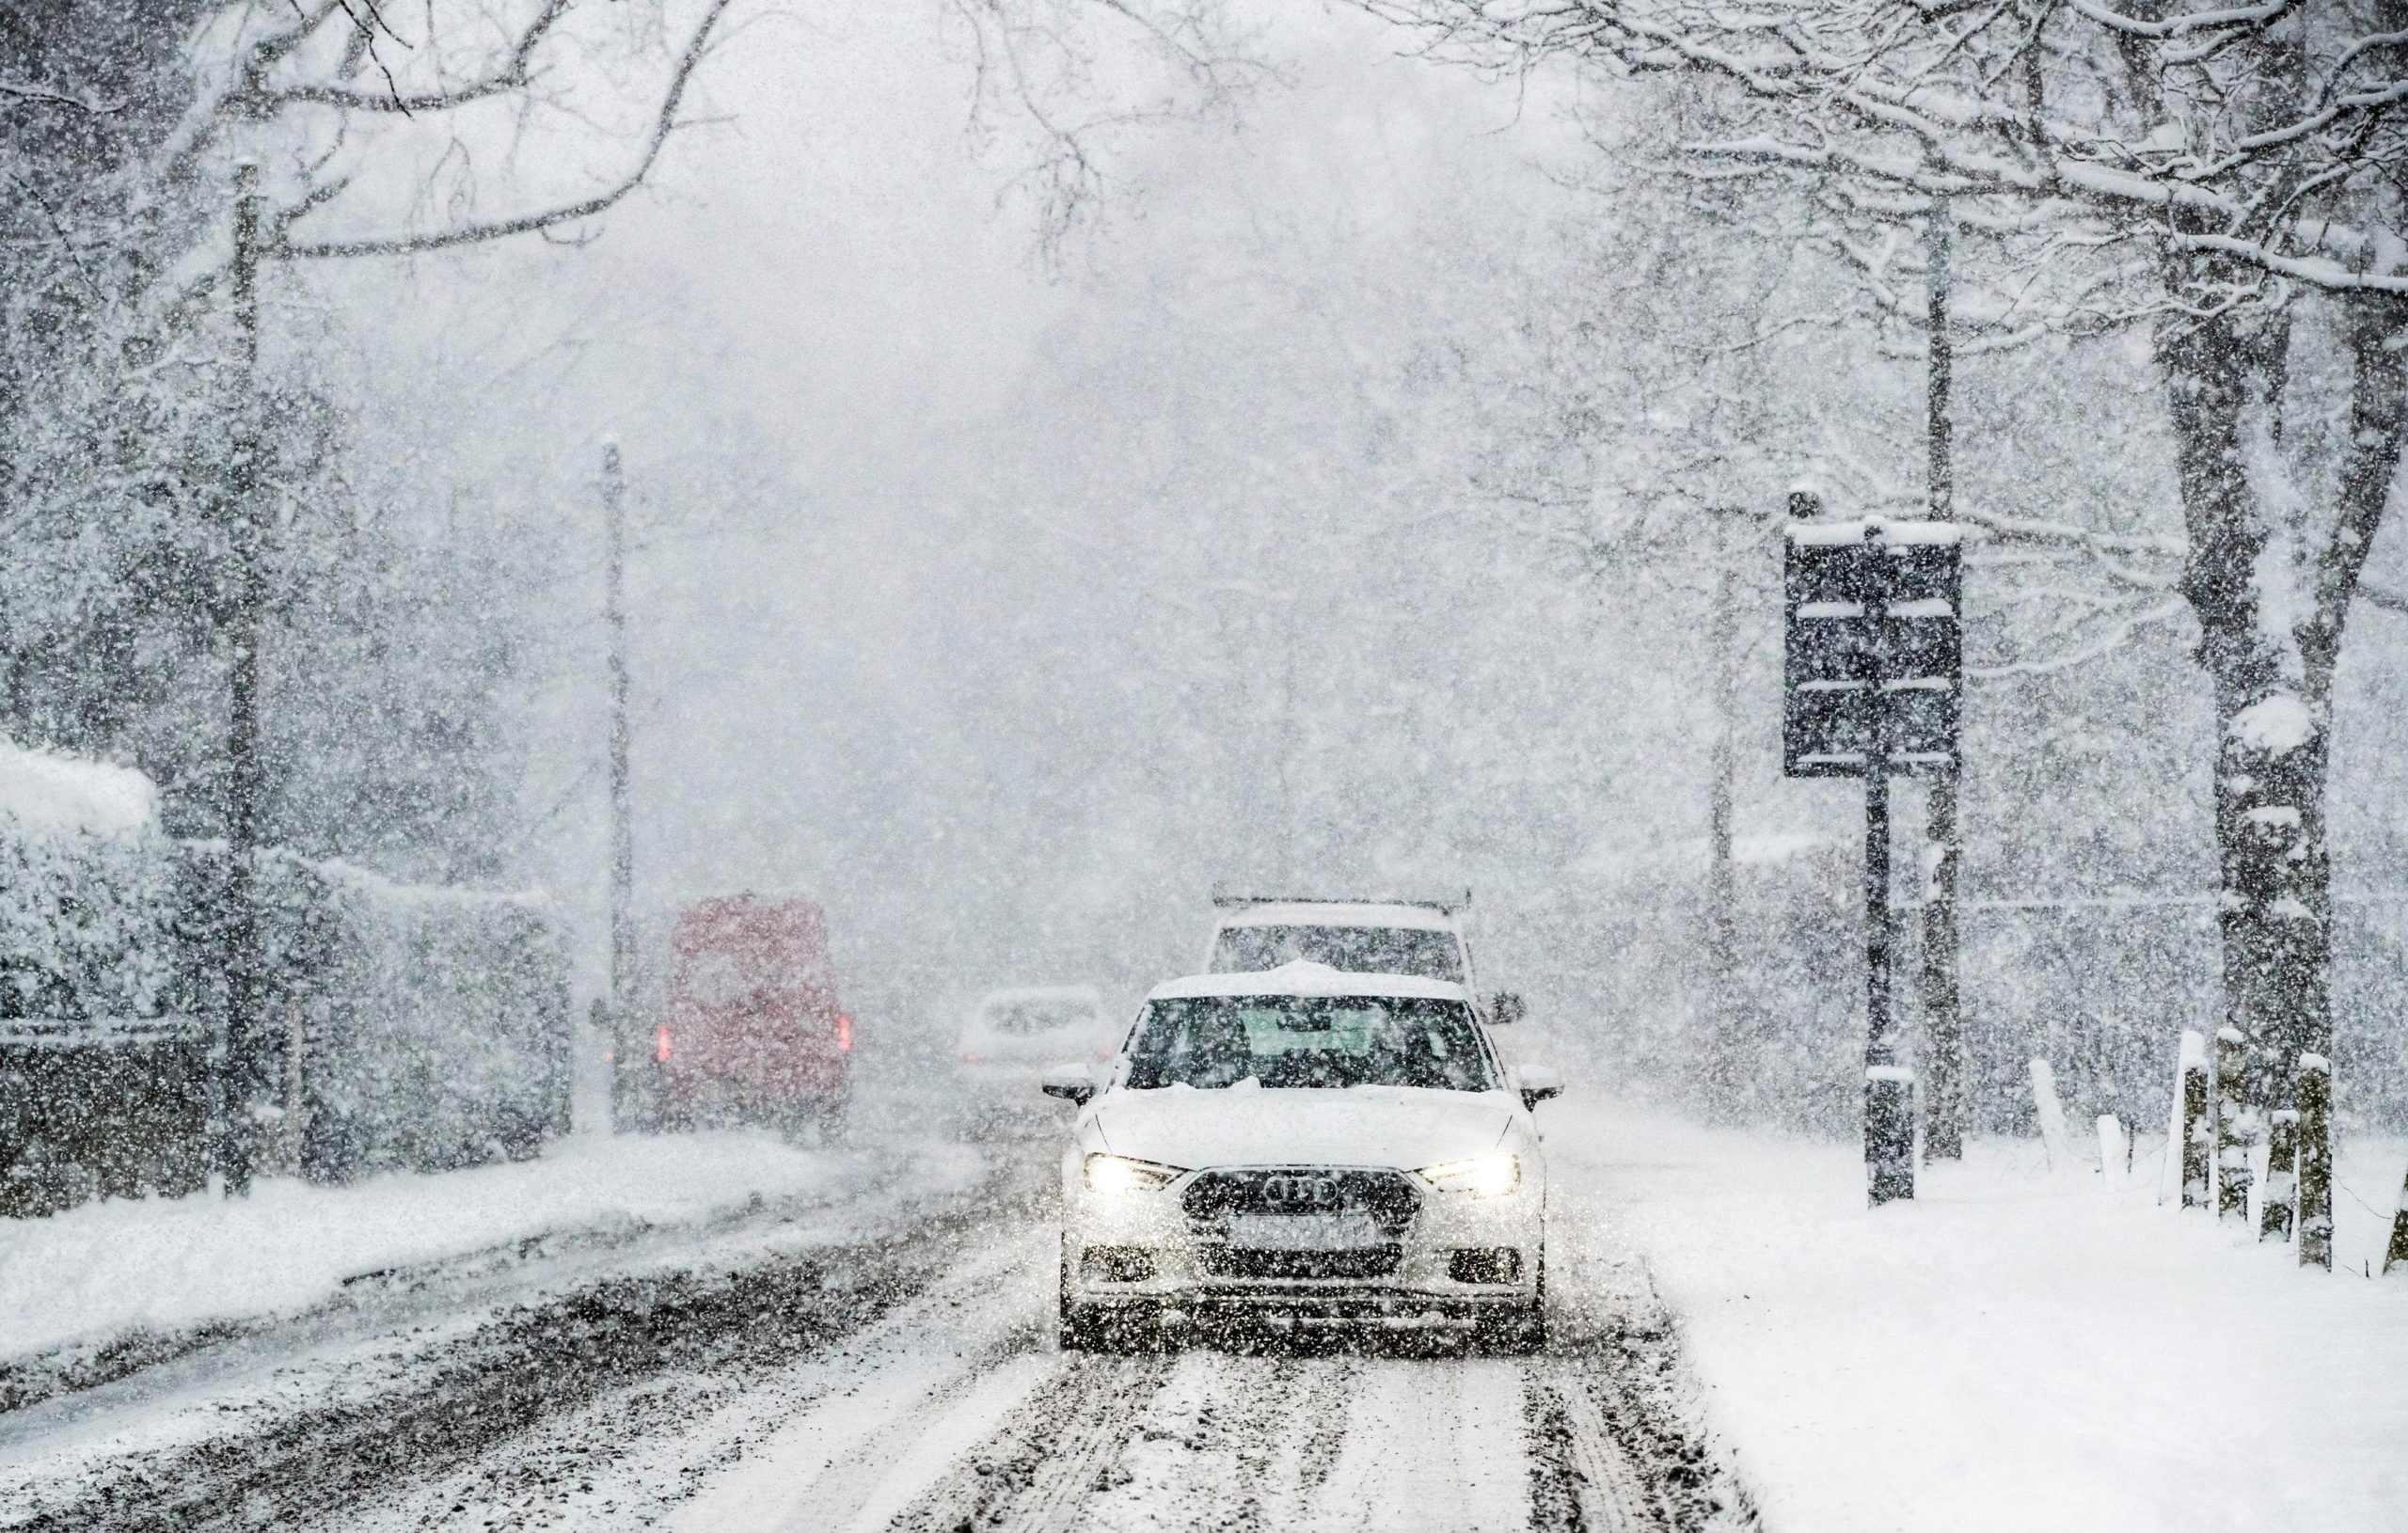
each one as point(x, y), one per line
point(1484, 1264)
point(1117, 1264)
point(1486, 1176)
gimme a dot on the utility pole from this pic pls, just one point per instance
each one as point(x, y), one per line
point(624, 1055)
point(1723, 1069)
point(1943, 1019)
point(242, 1064)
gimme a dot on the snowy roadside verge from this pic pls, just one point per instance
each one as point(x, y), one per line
point(103, 1270)
point(2013, 1350)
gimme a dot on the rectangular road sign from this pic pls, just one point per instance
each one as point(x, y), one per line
point(1873, 659)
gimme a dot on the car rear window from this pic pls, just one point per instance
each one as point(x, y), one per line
point(1357, 949)
point(1282, 1040)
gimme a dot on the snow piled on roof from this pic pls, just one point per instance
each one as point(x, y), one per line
point(45, 793)
point(1303, 977)
point(1372, 913)
point(1042, 995)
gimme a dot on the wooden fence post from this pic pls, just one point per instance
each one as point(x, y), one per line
point(2236, 1126)
point(2282, 1179)
point(2187, 1139)
point(2315, 1161)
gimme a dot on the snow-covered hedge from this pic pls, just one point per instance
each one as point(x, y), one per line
point(440, 1033)
point(432, 1025)
point(102, 1081)
point(433, 1022)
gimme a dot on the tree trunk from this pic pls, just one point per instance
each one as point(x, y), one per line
point(248, 1072)
point(2270, 656)
point(2223, 378)
point(1943, 1024)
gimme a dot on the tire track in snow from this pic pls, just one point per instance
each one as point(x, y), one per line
point(694, 1448)
point(1431, 1447)
point(1226, 1442)
point(635, 1341)
point(1036, 1475)
point(1581, 1478)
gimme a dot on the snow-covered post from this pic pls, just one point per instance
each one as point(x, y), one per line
point(2281, 1193)
point(2114, 1150)
point(1889, 1087)
point(2315, 1161)
point(2052, 1112)
point(2236, 1125)
point(2187, 1140)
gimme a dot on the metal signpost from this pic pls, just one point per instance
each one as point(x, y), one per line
point(1873, 669)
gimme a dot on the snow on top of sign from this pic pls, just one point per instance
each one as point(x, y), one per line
point(1831, 534)
point(55, 794)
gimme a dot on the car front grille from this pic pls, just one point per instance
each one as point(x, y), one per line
point(1389, 1198)
point(1388, 1201)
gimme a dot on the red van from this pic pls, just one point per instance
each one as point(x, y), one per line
point(752, 1033)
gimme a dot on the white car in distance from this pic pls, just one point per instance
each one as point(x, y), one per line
point(1011, 1035)
point(1307, 1147)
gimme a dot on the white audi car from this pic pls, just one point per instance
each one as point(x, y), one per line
point(1308, 1147)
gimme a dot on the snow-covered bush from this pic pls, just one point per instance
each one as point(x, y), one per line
point(100, 1078)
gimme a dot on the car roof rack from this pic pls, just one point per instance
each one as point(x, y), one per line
point(1223, 900)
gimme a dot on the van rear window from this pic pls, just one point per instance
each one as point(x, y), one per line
point(1357, 949)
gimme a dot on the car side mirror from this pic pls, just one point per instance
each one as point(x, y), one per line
point(1503, 1007)
point(1072, 1082)
point(1538, 1084)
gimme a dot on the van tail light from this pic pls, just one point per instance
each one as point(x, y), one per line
point(660, 1044)
point(971, 1056)
point(843, 1033)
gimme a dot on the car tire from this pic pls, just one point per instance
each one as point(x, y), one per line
point(1516, 1332)
point(1076, 1332)
point(835, 1119)
point(1520, 1332)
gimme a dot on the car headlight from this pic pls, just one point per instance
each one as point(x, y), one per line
point(1484, 1175)
point(1120, 1173)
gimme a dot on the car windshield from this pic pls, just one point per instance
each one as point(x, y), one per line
point(1357, 949)
point(1282, 1040)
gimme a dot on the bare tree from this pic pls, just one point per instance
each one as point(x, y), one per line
point(2254, 153)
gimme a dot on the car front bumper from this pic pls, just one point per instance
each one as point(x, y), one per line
point(1457, 1258)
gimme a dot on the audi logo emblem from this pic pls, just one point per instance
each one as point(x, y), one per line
point(1300, 1192)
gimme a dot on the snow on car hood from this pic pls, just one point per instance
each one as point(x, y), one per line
point(1251, 1125)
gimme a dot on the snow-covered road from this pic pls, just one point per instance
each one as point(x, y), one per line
point(888, 1364)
